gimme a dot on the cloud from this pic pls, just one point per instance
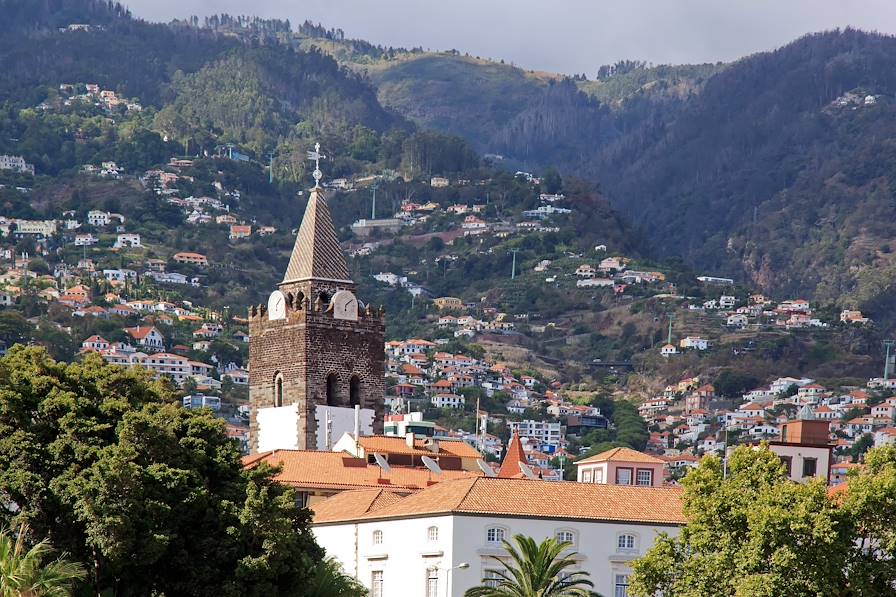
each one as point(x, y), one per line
point(570, 36)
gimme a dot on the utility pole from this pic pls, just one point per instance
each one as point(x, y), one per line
point(375, 186)
point(888, 344)
point(671, 317)
point(513, 268)
point(271, 168)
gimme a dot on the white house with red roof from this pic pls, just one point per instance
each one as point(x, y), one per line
point(95, 343)
point(147, 337)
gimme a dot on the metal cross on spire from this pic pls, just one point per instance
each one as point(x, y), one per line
point(316, 156)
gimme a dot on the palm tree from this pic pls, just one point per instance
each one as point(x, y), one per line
point(535, 570)
point(330, 581)
point(31, 572)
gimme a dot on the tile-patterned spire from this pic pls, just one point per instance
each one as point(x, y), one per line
point(317, 254)
point(510, 466)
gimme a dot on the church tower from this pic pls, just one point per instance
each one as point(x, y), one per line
point(315, 351)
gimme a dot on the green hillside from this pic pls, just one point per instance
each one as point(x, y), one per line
point(778, 171)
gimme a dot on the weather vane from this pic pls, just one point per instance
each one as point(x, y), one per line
point(317, 156)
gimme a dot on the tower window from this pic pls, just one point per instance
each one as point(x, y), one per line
point(278, 390)
point(332, 390)
point(354, 390)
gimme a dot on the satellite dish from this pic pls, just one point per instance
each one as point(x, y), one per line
point(529, 474)
point(485, 468)
point(432, 465)
point(382, 463)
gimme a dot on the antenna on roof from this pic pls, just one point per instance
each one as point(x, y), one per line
point(485, 468)
point(432, 465)
point(527, 472)
point(382, 463)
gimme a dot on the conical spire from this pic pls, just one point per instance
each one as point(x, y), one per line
point(510, 466)
point(317, 254)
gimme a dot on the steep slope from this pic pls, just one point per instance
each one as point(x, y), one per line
point(255, 95)
point(766, 175)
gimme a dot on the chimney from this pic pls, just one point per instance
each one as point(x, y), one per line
point(409, 439)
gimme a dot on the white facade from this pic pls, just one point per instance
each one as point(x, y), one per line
point(278, 426)
point(543, 432)
point(419, 556)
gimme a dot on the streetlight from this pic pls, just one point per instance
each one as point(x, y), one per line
point(461, 566)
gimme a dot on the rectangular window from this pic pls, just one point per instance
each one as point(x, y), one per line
point(645, 477)
point(494, 535)
point(810, 466)
point(623, 476)
point(598, 475)
point(586, 476)
point(621, 585)
point(432, 582)
point(490, 578)
point(788, 464)
point(376, 583)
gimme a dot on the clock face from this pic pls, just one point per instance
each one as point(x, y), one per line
point(345, 305)
point(276, 306)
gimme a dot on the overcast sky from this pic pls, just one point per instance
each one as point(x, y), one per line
point(569, 36)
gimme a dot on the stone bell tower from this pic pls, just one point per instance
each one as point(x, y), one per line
point(314, 345)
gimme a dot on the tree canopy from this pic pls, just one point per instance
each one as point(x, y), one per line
point(150, 497)
point(757, 533)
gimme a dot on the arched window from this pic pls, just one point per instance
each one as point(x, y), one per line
point(278, 390)
point(354, 390)
point(332, 390)
point(432, 534)
point(626, 542)
point(565, 536)
point(494, 535)
point(324, 299)
point(300, 301)
point(377, 537)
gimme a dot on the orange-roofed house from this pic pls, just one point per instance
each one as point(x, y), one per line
point(452, 455)
point(406, 545)
point(148, 337)
point(621, 466)
point(316, 475)
point(191, 258)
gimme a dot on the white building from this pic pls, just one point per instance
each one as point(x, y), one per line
point(695, 342)
point(541, 431)
point(127, 240)
point(17, 163)
point(447, 401)
point(439, 541)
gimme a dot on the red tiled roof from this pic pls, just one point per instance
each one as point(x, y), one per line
point(530, 498)
point(339, 471)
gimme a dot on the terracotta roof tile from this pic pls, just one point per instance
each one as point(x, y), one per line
point(621, 455)
point(350, 504)
point(387, 444)
point(542, 499)
point(335, 470)
point(510, 466)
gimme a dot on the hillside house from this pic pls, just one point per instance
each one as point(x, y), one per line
point(127, 240)
point(191, 258)
point(694, 342)
point(147, 337)
point(238, 231)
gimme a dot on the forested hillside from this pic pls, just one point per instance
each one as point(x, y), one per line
point(780, 170)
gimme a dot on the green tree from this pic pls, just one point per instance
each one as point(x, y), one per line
point(753, 533)
point(535, 570)
point(152, 498)
point(330, 580)
point(34, 572)
point(861, 445)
